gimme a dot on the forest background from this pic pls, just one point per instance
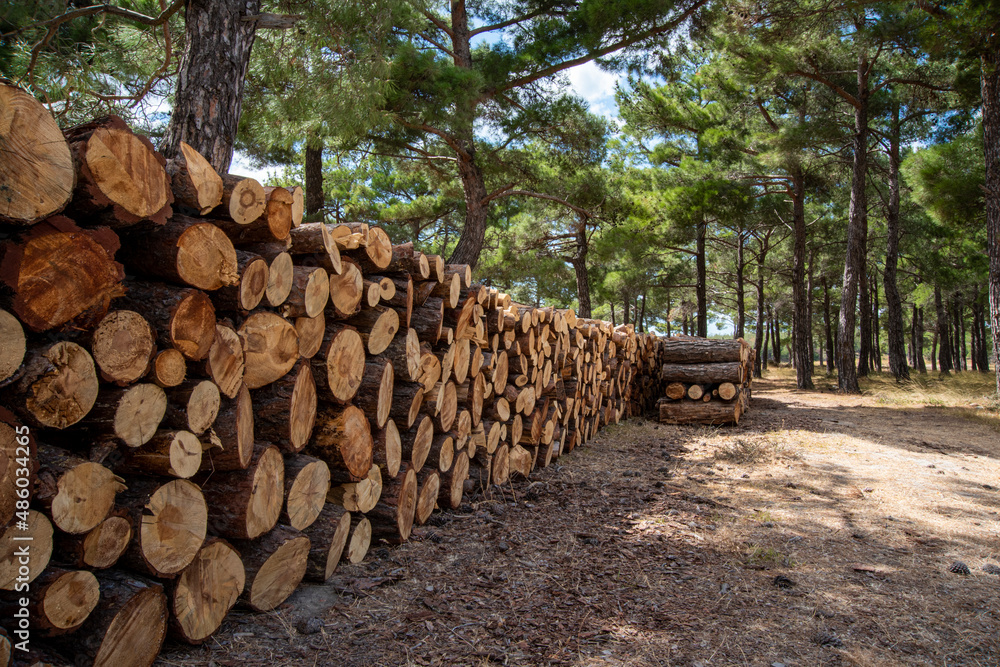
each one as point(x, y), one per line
point(818, 176)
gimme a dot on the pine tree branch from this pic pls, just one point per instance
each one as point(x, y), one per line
point(537, 195)
point(600, 53)
point(851, 99)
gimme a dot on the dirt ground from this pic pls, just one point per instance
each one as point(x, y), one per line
point(820, 531)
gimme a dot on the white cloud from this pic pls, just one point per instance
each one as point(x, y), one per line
point(596, 86)
point(241, 166)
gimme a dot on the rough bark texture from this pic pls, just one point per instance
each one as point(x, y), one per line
point(209, 94)
point(800, 297)
point(894, 305)
point(847, 375)
point(991, 142)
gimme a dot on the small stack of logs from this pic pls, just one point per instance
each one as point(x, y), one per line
point(208, 400)
point(703, 381)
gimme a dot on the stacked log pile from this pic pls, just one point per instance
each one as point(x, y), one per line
point(209, 401)
point(700, 380)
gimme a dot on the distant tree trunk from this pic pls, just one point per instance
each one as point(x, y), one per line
point(934, 344)
point(913, 338)
point(776, 338)
point(612, 304)
point(767, 339)
point(642, 315)
point(800, 306)
point(702, 280)
point(315, 197)
point(830, 357)
point(893, 302)
point(809, 317)
point(669, 311)
point(758, 343)
point(579, 261)
point(740, 296)
point(990, 87)
point(211, 76)
point(941, 333)
point(921, 364)
point(864, 319)
point(847, 379)
point(876, 326)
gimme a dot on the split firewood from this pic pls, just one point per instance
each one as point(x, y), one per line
point(37, 170)
point(120, 177)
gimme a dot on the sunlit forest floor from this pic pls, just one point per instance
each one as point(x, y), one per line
point(820, 531)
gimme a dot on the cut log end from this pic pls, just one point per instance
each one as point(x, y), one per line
point(37, 169)
point(206, 590)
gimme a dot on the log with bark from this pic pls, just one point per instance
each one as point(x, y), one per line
point(205, 591)
point(285, 410)
point(339, 367)
point(77, 494)
point(270, 348)
point(356, 496)
point(121, 178)
point(194, 181)
point(245, 504)
point(343, 439)
point(700, 413)
point(392, 518)
point(188, 251)
point(232, 434)
point(171, 521)
point(275, 565)
point(101, 547)
point(182, 318)
point(327, 539)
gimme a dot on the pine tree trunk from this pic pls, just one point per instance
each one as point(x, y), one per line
point(579, 262)
point(894, 306)
point(941, 333)
point(741, 317)
point(760, 361)
point(847, 377)
point(314, 183)
point(209, 94)
point(801, 359)
point(991, 142)
point(470, 243)
point(702, 280)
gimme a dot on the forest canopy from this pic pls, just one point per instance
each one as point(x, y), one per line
point(819, 177)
